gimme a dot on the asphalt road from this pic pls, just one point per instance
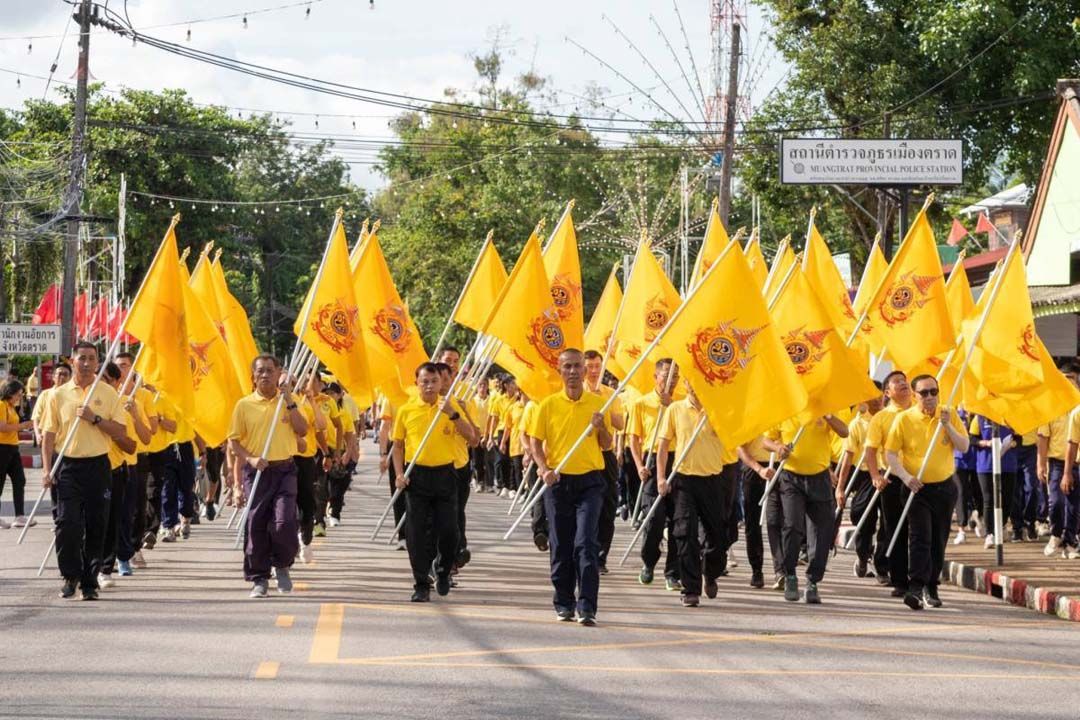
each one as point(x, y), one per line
point(182, 639)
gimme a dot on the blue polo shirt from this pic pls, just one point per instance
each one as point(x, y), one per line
point(983, 456)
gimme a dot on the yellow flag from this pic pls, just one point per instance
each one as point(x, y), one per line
point(824, 277)
point(482, 290)
point(602, 323)
point(235, 326)
point(330, 327)
point(185, 276)
point(563, 269)
point(1006, 359)
point(729, 349)
point(524, 319)
point(394, 348)
point(716, 239)
point(758, 267)
point(649, 301)
point(830, 372)
point(213, 377)
point(157, 319)
point(365, 233)
point(873, 273)
point(908, 313)
point(782, 262)
point(961, 306)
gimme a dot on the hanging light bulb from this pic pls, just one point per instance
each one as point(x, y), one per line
point(18, 81)
point(353, 124)
point(245, 22)
point(371, 4)
point(30, 48)
point(307, 13)
point(316, 122)
point(189, 34)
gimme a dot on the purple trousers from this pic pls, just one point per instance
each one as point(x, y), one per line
point(271, 522)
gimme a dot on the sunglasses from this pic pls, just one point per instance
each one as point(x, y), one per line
point(929, 392)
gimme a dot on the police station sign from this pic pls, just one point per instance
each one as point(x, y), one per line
point(29, 339)
point(818, 161)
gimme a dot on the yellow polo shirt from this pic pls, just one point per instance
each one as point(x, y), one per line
point(88, 440)
point(528, 417)
point(461, 445)
point(410, 425)
point(497, 407)
point(708, 455)
point(162, 438)
point(10, 416)
point(756, 449)
point(642, 418)
point(558, 423)
point(512, 422)
point(330, 410)
point(478, 410)
point(813, 453)
point(910, 436)
point(118, 457)
point(251, 425)
point(38, 412)
point(312, 444)
point(1059, 432)
point(880, 424)
point(855, 442)
point(351, 410)
point(144, 399)
point(185, 431)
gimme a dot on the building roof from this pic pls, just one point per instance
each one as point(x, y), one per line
point(1015, 197)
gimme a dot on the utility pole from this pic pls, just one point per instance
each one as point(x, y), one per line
point(73, 196)
point(883, 201)
point(729, 125)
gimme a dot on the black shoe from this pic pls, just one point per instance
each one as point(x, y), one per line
point(757, 580)
point(587, 619)
point(913, 601)
point(564, 614)
point(882, 579)
point(860, 568)
point(541, 541)
point(710, 588)
point(930, 597)
point(898, 592)
point(89, 594)
point(149, 540)
point(442, 585)
point(211, 511)
point(464, 557)
point(68, 590)
point(645, 577)
point(195, 519)
point(421, 595)
point(624, 513)
point(602, 569)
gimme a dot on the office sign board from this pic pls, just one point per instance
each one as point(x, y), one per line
point(19, 339)
point(843, 161)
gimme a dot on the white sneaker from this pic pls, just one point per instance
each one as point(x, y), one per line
point(980, 528)
point(1042, 529)
point(1052, 546)
point(513, 494)
point(732, 562)
point(960, 539)
point(167, 535)
point(306, 554)
point(4, 524)
point(137, 560)
point(401, 545)
point(1071, 552)
point(989, 543)
point(22, 522)
point(332, 521)
point(105, 581)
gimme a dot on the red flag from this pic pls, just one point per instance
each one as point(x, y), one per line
point(116, 319)
point(957, 233)
point(81, 314)
point(48, 310)
point(984, 225)
point(99, 319)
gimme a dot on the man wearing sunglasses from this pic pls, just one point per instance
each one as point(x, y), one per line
point(908, 443)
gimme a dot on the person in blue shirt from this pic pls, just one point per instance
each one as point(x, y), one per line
point(969, 497)
point(982, 431)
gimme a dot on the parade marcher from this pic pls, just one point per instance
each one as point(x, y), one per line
point(934, 494)
point(697, 495)
point(325, 458)
point(806, 495)
point(861, 490)
point(462, 445)
point(640, 428)
point(178, 490)
point(1057, 452)
point(1029, 491)
point(431, 488)
point(594, 363)
point(270, 529)
point(118, 547)
point(510, 444)
point(500, 463)
point(80, 484)
point(386, 465)
point(214, 461)
point(339, 474)
point(968, 495)
point(538, 518)
point(478, 456)
point(136, 502)
point(61, 374)
point(982, 431)
point(574, 496)
point(11, 396)
point(307, 467)
point(893, 491)
point(161, 457)
point(754, 472)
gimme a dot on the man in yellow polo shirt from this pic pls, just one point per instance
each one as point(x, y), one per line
point(478, 408)
point(137, 509)
point(61, 374)
point(307, 470)
point(431, 485)
point(697, 495)
point(934, 492)
point(462, 444)
point(80, 481)
point(1058, 445)
point(862, 489)
point(594, 383)
point(576, 494)
point(806, 497)
point(270, 529)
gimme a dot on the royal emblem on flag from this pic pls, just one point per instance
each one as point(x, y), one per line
point(656, 317)
point(391, 324)
point(336, 323)
point(1028, 346)
point(805, 348)
point(722, 351)
point(904, 297)
point(564, 296)
point(200, 362)
point(546, 337)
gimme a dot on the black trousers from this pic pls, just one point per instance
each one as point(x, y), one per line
point(464, 485)
point(322, 490)
point(968, 496)
point(399, 504)
point(607, 510)
point(774, 527)
point(808, 513)
point(215, 460)
point(11, 466)
point(538, 517)
point(892, 501)
point(156, 462)
point(81, 492)
point(929, 523)
point(654, 529)
point(698, 505)
point(432, 531)
point(338, 479)
point(728, 490)
point(629, 480)
point(865, 545)
point(133, 521)
point(753, 489)
point(305, 495)
point(573, 510)
point(478, 461)
point(503, 466)
point(114, 518)
point(986, 486)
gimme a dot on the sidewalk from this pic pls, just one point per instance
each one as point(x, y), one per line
point(1028, 578)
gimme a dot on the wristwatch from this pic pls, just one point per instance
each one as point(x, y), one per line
point(97, 419)
point(455, 416)
point(290, 407)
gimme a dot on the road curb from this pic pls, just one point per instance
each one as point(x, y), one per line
point(1011, 590)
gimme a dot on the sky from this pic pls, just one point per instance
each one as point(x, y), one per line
point(417, 47)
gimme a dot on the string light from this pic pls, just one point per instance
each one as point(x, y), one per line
point(189, 34)
point(245, 22)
